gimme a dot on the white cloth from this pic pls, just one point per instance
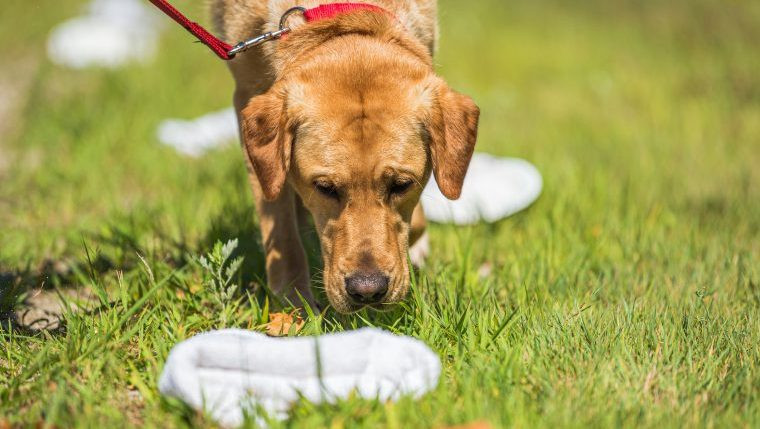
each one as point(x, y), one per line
point(111, 34)
point(194, 137)
point(228, 372)
point(494, 188)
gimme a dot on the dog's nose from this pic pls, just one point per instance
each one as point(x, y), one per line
point(367, 288)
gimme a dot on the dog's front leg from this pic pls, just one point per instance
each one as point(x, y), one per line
point(419, 242)
point(286, 262)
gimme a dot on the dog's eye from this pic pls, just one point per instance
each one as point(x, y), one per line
point(327, 190)
point(400, 187)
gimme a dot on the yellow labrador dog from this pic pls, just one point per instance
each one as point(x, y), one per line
point(346, 118)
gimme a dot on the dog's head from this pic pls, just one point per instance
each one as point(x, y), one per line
point(357, 137)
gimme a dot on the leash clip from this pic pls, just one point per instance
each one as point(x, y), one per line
point(266, 37)
point(256, 41)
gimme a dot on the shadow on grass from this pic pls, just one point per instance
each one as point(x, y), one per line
point(118, 248)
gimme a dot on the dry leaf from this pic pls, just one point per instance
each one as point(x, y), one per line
point(280, 323)
point(5, 424)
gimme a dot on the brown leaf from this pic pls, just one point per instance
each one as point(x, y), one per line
point(5, 424)
point(280, 323)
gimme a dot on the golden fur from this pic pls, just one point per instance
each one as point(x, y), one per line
point(346, 118)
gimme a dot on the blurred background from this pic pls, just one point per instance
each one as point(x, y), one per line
point(634, 111)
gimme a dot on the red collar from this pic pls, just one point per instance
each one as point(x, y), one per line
point(331, 10)
point(226, 51)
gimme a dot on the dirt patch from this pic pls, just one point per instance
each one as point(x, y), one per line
point(43, 306)
point(44, 309)
point(133, 408)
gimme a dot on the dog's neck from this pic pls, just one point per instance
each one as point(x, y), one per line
point(380, 25)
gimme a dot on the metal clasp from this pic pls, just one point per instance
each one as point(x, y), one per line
point(272, 35)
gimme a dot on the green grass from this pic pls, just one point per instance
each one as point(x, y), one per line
point(629, 295)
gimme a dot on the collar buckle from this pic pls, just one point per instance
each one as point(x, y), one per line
point(266, 37)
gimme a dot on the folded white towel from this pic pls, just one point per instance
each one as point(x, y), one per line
point(494, 188)
point(196, 136)
point(229, 372)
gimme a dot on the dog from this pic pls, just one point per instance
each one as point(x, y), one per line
point(345, 119)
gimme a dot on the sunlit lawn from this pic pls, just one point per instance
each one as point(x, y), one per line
point(629, 295)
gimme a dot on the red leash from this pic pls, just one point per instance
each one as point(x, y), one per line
point(219, 47)
point(226, 51)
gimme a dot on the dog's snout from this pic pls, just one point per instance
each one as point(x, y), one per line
point(367, 288)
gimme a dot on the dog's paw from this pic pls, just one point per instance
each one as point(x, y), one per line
point(420, 250)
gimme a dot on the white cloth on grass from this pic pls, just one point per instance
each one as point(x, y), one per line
point(227, 373)
point(494, 188)
point(111, 34)
point(196, 136)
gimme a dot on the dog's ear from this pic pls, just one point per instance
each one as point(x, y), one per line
point(268, 140)
point(452, 125)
